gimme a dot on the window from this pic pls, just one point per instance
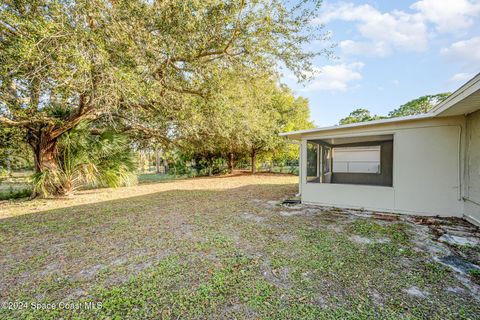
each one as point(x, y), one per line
point(364, 159)
point(312, 162)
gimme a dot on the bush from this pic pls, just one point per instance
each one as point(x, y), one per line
point(86, 160)
point(3, 174)
point(16, 194)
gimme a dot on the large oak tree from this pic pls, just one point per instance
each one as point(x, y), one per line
point(63, 62)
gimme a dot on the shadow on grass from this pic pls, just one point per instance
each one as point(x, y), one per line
point(136, 205)
point(14, 208)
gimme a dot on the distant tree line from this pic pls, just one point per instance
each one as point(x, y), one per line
point(416, 106)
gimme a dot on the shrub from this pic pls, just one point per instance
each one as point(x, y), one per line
point(16, 194)
point(104, 160)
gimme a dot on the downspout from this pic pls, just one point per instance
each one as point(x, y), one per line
point(459, 177)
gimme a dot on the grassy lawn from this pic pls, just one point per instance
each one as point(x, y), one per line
point(219, 247)
point(16, 186)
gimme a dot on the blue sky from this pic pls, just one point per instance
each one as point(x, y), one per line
point(389, 52)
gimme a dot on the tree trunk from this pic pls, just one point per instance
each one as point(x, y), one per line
point(143, 160)
point(165, 166)
point(210, 165)
point(254, 161)
point(9, 163)
point(230, 162)
point(44, 152)
point(157, 159)
point(44, 147)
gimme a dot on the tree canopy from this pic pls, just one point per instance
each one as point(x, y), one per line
point(244, 119)
point(359, 115)
point(419, 105)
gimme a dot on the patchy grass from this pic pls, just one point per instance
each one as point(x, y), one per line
point(369, 228)
point(475, 273)
point(216, 248)
point(152, 177)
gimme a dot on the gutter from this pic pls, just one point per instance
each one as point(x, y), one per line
point(358, 124)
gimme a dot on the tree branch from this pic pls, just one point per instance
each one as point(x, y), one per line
point(72, 123)
point(152, 133)
point(23, 123)
point(135, 127)
point(11, 123)
point(183, 90)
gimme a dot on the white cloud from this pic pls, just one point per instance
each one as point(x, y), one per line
point(336, 77)
point(461, 77)
point(350, 47)
point(450, 15)
point(466, 52)
point(384, 32)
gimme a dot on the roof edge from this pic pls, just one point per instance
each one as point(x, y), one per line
point(358, 124)
point(457, 96)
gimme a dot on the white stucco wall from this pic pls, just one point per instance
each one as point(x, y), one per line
point(349, 196)
point(472, 178)
point(426, 170)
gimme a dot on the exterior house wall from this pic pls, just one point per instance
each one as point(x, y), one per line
point(472, 170)
point(427, 171)
point(427, 161)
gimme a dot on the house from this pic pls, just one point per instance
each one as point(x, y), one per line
point(426, 164)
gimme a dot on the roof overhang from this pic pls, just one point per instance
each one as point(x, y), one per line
point(464, 100)
point(354, 140)
point(298, 134)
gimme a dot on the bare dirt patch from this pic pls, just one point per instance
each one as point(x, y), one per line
point(364, 240)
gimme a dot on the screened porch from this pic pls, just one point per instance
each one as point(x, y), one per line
point(364, 160)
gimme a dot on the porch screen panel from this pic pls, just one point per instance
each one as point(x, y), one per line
point(327, 159)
